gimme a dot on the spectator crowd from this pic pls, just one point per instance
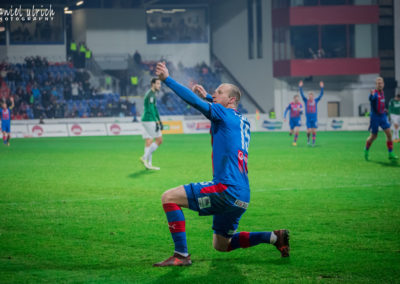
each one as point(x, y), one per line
point(59, 90)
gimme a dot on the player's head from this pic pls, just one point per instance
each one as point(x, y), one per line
point(380, 84)
point(296, 98)
point(3, 104)
point(310, 95)
point(155, 84)
point(398, 97)
point(227, 95)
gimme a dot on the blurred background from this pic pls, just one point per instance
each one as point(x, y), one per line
point(96, 58)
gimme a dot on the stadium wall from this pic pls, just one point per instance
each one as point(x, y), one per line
point(110, 32)
point(53, 52)
point(229, 31)
point(349, 95)
point(172, 125)
point(3, 52)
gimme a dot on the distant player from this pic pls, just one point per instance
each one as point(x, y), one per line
point(311, 111)
point(394, 110)
point(152, 125)
point(227, 196)
point(296, 109)
point(5, 114)
point(378, 118)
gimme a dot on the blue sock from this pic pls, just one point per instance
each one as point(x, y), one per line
point(246, 239)
point(176, 223)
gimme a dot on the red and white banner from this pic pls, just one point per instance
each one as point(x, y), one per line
point(48, 130)
point(87, 129)
point(134, 128)
point(19, 131)
point(196, 126)
point(263, 124)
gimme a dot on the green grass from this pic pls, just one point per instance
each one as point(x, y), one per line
point(84, 210)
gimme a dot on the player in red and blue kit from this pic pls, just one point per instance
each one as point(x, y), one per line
point(227, 196)
point(5, 114)
point(378, 118)
point(296, 109)
point(311, 111)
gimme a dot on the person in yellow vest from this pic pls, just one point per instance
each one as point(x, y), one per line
point(73, 46)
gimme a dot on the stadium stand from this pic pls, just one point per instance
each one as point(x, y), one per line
point(59, 90)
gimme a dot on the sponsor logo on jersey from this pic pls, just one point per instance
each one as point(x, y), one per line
point(241, 204)
point(204, 202)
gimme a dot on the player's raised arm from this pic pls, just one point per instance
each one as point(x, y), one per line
point(12, 102)
point(183, 92)
point(321, 85)
point(199, 89)
point(301, 91)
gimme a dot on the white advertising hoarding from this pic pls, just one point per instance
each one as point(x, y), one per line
point(48, 130)
point(133, 128)
point(87, 129)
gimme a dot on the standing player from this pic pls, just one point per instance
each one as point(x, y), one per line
point(5, 114)
point(394, 110)
point(296, 109)
point(379, 119)
point(311, 111)
point(227, 196)
point(152, 125)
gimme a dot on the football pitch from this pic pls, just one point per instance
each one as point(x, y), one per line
point(83, 209)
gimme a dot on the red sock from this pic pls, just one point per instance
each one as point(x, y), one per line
point(367, 145)
point(389, 145)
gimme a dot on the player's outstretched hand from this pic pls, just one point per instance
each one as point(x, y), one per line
point(321, 84)
point(301, 83)
point(162, 71)
point(199, 90)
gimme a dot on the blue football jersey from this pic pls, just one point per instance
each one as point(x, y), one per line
point(5, 114)
point(230, 137)
point(230, 142)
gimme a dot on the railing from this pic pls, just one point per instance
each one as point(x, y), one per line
point(237, 83)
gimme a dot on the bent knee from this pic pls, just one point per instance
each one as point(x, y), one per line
point(221, 247)
point(166, 197)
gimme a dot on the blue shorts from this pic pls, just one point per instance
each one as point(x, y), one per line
point(312, 122)
point(378, 120)
point(294, 122)
point(5, 126)
point(227, 203)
